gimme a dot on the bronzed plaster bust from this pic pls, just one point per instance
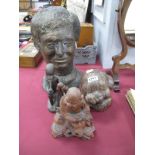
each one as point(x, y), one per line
point(55, 31)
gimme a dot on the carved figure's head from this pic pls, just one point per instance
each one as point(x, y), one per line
point(73, 101)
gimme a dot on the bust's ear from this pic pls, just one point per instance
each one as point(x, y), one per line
point(35, 37)
point(76, 25)
point(36, 44)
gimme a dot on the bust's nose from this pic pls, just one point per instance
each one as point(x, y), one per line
point(59, 49)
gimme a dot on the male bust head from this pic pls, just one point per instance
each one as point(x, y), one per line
point(54, 32)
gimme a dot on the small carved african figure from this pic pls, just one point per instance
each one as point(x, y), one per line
point(55, 89)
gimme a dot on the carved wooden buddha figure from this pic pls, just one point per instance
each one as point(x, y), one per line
point(54, 32)
point(73, 118)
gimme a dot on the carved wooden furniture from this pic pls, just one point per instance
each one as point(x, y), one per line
point(122, 10)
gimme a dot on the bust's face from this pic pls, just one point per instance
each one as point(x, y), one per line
point(58, 47)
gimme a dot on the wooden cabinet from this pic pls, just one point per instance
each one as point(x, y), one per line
point(29, 56)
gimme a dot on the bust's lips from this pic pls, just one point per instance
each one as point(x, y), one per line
point(60, 60)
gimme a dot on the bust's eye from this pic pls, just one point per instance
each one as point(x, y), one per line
point(67, 43)
point(51, 45)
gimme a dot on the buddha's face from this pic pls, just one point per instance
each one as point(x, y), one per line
point(58, 47)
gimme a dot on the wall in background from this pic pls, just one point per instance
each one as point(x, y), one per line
point(106, 33)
